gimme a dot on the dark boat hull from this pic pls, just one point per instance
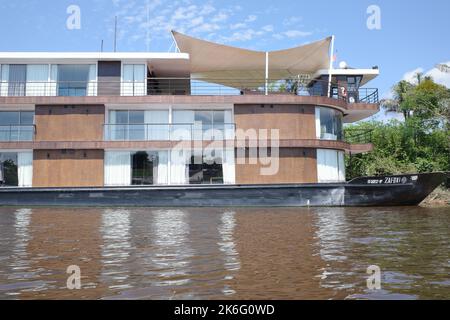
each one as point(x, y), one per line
point(405, 190)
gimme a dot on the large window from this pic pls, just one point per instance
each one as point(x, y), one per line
point(203, 124)
point(154, 125)
point(48, 80)
point(133, 76)
point(127, 125)
point(16, 169)
point(206, 169)
point(328, 124)
point(123, 168)
point(330, 166)
point(8, 169)
point(73, 79)
point(16, 125)
point(17, 79)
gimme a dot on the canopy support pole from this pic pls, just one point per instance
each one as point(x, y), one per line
point(267, 75)
point(331, 66)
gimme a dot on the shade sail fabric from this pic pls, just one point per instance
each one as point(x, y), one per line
point(223, 64)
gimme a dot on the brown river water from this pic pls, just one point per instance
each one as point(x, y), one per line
point(229, 253)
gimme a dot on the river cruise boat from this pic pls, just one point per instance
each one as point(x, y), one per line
point(206, 125)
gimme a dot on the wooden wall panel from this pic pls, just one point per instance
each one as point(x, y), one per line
point(293, 121)
point(109, 77)
point(296, 165)
point(69, 168)
point(69, 123)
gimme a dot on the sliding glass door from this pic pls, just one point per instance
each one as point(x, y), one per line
point(17, 79)
point(16, 169)
point(206, 168)
point(133, 77)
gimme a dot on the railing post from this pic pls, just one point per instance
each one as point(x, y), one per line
point(267, 74)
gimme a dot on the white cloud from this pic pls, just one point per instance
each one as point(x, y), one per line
point(251, 18)
point(220, 17)
point(410, 76)
point(296, 33)
point(440, 76)
point(291, 21)
point(268, 28)
point(239, 25)
point(200, 19)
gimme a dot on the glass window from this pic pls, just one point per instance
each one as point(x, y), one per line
point(219, 118)
point(73, 79)
point(353, 83)
point(136, 126)
point(136, 117)
point(9, 118)
point(128, 125)
point(8, 169)
point(330, 124)
point(206, 169)
point(143, 165)
point(205, 117)
point(17, 79)
point(26, 118)
point(16, 125)
point(121, 117)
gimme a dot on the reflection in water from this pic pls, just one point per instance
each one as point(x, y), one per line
point(213, 253)
point(410, 245)
point(228, 247)
point(116, 247)
point(19, 256)
point(171, 255)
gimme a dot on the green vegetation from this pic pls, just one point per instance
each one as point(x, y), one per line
point(419, 144)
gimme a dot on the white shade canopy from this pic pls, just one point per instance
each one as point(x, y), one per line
point(223, 64)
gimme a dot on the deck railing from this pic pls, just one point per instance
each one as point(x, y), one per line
point(358, 136)
point(180, 86)
point(14, 133)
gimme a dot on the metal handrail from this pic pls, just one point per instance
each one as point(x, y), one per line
point(369, 95)
point(177, 86)
point(167, 131)
point(358, 136)
point(17, 132)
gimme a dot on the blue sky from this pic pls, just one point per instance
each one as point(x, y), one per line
point(413, 36)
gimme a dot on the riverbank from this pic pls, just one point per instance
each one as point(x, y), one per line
point(439, 198)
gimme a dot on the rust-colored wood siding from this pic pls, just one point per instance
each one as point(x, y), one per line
point(67, 168)
point(296, 165)
point(109, 74)
point(292, 121)
point(69, 123)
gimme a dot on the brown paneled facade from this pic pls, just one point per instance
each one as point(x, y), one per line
point(69, 144)
point(68, 168)
point(296, 165)
point(293, 121)
point(69, 123)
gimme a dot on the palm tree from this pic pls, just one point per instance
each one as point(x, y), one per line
point(400, 91)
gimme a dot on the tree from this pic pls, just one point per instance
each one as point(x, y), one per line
point(396, 104)
point(419, 144)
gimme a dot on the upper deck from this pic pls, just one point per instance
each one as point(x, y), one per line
point(201, 73)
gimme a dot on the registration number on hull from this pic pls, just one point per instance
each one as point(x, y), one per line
point(390, 180)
